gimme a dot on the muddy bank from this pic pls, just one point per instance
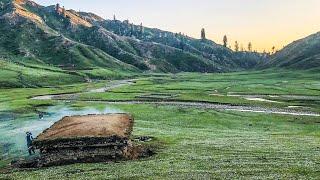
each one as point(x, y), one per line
point(266, 96)
point(100, 151)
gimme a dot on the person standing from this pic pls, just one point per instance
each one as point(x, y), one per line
point(40, 116)
point(29, 139)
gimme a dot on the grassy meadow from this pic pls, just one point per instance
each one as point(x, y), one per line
point(195, 143)
point(287, 88)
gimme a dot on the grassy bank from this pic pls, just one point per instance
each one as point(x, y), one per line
point(24, 74)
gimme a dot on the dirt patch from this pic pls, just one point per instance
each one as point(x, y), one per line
point(25, 163)
point(159, 96)
point(90, 126)
point(135, 152)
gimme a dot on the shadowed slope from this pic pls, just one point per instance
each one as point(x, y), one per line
point(301, 54)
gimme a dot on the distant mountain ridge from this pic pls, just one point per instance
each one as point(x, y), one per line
point(80, 40)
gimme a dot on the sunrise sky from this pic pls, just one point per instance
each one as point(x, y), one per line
point(265, 23)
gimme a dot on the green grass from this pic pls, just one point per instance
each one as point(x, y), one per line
point(198, 143)
point(101, 73)
point(209, 144)
point(26, 73)
point(15, 75)
point(17, 100)
point(216, 87)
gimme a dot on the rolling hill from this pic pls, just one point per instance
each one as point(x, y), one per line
point(300, 54)
point(89, 47)
point(80, 41)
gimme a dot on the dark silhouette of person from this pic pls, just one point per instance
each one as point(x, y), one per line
point(40, 116)
point(29, 139)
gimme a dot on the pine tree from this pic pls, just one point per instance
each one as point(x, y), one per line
point(203, 34)
point(131, 29)
point(273, 49)
point(225, 41)
point(119, 31)
point(141, 29)
point(236, 46)
point(250, 47)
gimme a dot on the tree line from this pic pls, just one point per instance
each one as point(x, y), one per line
point(237, 47)
point(129, 29)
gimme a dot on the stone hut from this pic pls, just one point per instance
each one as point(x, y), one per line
point(90, 138)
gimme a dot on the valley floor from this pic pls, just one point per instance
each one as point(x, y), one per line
point(190, 141)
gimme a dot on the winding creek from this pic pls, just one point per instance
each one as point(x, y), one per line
point(195, 104)
point(12, 130)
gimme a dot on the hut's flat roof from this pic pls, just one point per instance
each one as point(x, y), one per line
point(90, 126)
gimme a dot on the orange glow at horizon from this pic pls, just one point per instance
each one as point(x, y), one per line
point(265, 23)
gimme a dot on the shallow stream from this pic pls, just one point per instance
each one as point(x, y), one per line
point(13, 128)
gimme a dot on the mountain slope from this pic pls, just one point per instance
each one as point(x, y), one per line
point(223, 58)
point(80, 40)
point(301, 54)
point(15, 75)
point(25, 34)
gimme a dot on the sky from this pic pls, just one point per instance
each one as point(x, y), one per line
point(265, 23)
